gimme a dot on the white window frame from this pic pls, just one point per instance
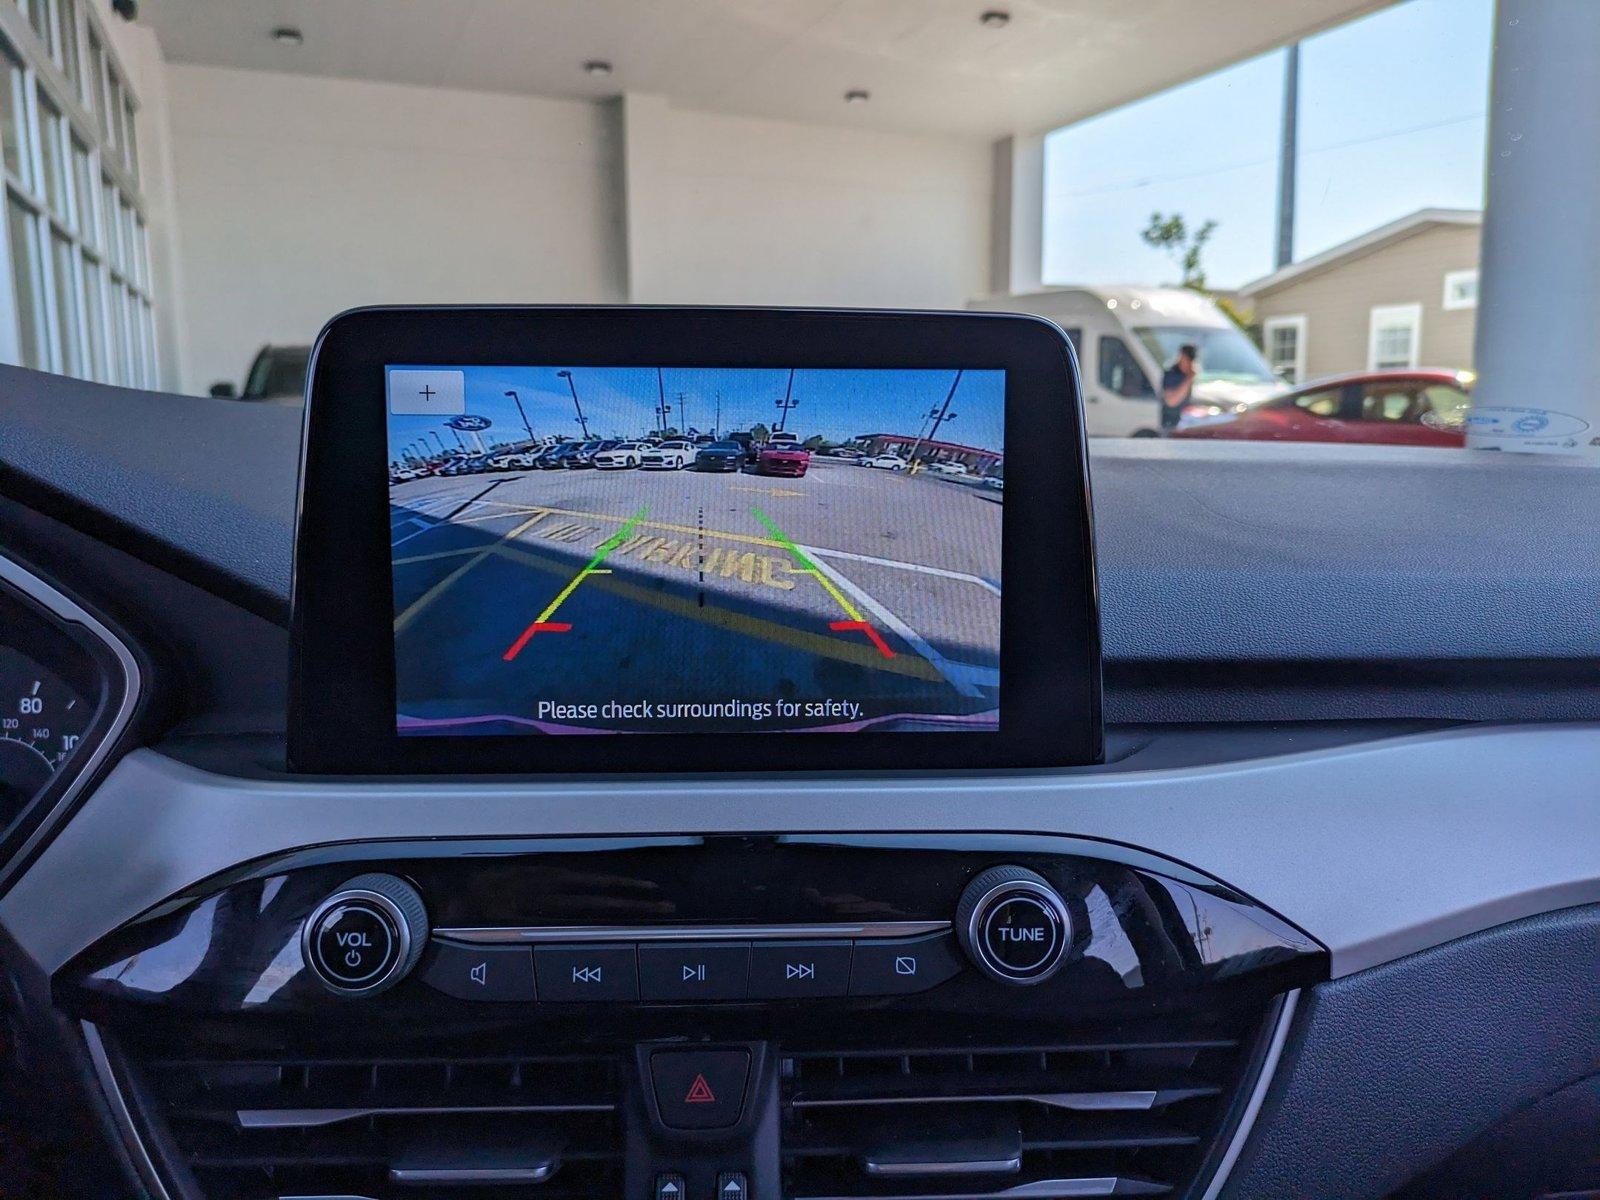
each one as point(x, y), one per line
point(1300, 325)
point(123, 293)
point(1384, 316)
point(1451, 279)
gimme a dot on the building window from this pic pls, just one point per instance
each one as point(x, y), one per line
point(79, 300)
point(1395, 337)
point(1285, 341)
point(1461, 289)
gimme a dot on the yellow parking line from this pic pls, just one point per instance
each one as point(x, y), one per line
point(748, 538)
point(438, 589)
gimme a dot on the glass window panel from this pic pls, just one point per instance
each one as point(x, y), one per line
point(130, 264)
point(51, 134)
point(68, 12)
point(119, 336)
point(95, 319)
point(92, 83)
point(113, 107)
point(13, 126)
point(63, 262)
point(141, 249)
point(39, 16)
point(22, 227)
point(108, 214)
point(83, 189)
point(130, 143)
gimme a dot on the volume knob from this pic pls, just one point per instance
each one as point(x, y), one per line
point(366, 936)
point(1014, 925)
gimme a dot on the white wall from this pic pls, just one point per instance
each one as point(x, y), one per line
point(298, 197)
point(741, 210)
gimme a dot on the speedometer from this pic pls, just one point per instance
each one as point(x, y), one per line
point(41, 720)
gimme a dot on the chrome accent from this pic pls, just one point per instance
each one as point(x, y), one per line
point(316, 1118)
point(689, 933)
point(1258, 1096)
point(121, 1116)
point(1072, 1101)
point(397, 919)
point(1039, 1189)
point(891, 1170)
point(67, 609)
point(1050, 902)
point(457, 1176)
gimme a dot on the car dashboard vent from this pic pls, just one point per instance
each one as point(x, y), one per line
point(1102, 1116)
point(381, 1127)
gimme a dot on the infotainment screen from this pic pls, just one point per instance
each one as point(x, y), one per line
point(601, 549)
point(570, 540)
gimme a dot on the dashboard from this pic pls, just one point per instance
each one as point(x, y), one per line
point(1317, 916)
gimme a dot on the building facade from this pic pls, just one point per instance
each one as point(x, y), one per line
point(1403, 295)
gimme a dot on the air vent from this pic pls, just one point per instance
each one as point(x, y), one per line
point(383, 1128)
point(1121, 1114)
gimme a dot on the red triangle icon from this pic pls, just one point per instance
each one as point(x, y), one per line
point(700, 1092)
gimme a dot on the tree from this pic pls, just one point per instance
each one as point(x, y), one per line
point(1172, 235)
point(759, 432)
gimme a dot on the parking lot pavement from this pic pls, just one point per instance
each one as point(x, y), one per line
point(584, 586)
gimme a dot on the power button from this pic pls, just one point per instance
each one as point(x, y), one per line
point(365, 936)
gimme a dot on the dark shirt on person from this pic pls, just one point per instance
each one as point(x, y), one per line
point(1174, 379)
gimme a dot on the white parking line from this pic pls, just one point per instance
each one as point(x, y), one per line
point(420, 521)
point(966, 678)
point(963, 576)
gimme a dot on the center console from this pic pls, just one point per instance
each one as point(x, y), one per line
point(809, 1016)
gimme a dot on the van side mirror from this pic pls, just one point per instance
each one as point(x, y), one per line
point(223, 390)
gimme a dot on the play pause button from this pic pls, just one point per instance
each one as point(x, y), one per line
point(694, 971)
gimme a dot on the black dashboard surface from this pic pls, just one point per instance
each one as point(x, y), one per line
point(1269, 552)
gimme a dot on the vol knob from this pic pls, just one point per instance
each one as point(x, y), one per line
point(366, 936)
point(1014, 925)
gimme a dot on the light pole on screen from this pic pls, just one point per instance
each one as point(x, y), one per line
point(786, 403)
point(517, 400)
point(443, 451)
point(582, 424)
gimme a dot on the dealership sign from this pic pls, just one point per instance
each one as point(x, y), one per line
point(468, 423)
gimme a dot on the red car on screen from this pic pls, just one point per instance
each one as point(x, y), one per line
point(783, 459)
point(1392, 408)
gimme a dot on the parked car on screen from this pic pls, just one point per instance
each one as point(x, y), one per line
point(885, 462)
point(719, 456)
point(668, 456)
point(621, 456)
point(783, 458)
point(556, 457)
point(996, 482)
point(1392, 408)
point(949, 468)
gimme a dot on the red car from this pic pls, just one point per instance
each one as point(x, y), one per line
point(1392, 408)
point(783, 460)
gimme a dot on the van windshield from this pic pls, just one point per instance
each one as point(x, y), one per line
point(1225, 354)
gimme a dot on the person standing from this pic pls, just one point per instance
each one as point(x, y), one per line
point(1177, 385)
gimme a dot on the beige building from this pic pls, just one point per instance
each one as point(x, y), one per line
point(1403, 295)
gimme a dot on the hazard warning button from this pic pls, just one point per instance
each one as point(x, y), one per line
point(699, 1089)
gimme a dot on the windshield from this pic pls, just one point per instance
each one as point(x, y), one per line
point(1225, 354)
point(1300, 191)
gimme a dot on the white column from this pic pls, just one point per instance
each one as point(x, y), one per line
point(1539, 290)
point(1016, 258)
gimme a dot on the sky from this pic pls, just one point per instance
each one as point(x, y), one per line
point(621, 402)
point(1392, 119)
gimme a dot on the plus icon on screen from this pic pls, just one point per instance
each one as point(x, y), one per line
point(427, 393)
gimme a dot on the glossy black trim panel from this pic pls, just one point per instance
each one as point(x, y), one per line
point(342, 684)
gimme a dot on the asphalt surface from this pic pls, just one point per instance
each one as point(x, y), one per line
point(850, 598)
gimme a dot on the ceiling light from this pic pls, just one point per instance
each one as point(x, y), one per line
point(288, 35)
point(995, 18)
point(597, 66)
point(857, 96)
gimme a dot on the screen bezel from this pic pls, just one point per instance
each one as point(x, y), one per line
point(342, 670)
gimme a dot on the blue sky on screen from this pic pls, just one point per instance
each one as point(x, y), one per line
point(1392, 119)
point(621, 402)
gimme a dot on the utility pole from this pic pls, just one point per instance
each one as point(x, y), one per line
point(941, 415)
point(786, 403)
point(517, 400)
point(582, 424)
point(662, 407)
point(1288, 157)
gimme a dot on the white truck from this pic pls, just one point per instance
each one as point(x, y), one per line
point(1126, 337)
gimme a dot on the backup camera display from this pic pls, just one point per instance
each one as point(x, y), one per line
point(582, 550)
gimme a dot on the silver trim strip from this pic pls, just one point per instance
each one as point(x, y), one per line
point(67, 609)
point(121, 1115)
point(316, 1118)
point(689, 933)
point(913, 1170)
point(1071, 1101)
point(1039, 1189)
point(1258, 1096)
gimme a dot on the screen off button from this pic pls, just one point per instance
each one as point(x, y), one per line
point(426, 393)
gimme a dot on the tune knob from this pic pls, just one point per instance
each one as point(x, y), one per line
point(1014, 925)
point(366, 936)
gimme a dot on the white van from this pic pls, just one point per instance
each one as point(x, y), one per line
point(1127, 336)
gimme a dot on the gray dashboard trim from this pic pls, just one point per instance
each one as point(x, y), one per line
point(1378, 850)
